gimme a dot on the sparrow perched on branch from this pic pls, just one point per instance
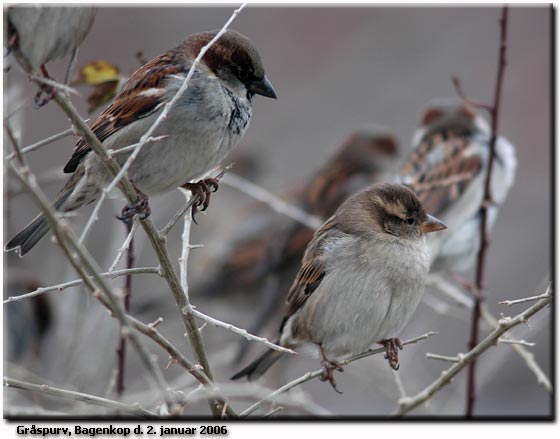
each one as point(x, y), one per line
point(268, 255)
point(361, 279)
point(206, 122)
point(40, 34)
point(447, 169)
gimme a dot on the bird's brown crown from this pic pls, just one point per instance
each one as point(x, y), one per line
point(233, 50)
point(448, 113)
point(385, 209)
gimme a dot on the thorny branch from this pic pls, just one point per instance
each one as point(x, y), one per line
point(494, 111)
point(44, 142)
point(77, 282)
point(467, 301)
point(133, 409)
point(157, 240)
point(84, 264)
point(505, 324)
point(121, 349)
point(239, 331)
point(316, 374)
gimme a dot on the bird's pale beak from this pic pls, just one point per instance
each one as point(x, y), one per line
point(263, 88)
point(432, 225)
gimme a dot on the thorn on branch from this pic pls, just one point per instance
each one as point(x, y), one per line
point(156, 322)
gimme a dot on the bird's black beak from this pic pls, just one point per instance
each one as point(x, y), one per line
point(432, 224)
point(262, 87)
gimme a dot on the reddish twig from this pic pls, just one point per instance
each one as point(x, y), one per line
point(484, 238)
point(121, 350)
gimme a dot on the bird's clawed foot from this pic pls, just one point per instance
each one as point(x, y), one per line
point(392, 347)
point(45, 93)
point(203, 189)
point(140, 208)
point(328, 367)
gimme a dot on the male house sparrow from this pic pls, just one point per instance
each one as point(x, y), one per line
point(361, 279)
point(447, 170)
point(202, 127)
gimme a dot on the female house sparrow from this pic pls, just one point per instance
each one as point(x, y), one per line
point(207, 121)
point(447, 170)
point(360, 281)
point(270, 254)
point(41, 34)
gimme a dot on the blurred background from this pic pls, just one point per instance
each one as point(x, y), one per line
point(335, 71)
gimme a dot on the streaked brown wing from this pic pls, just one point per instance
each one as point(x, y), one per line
point(311, 273)
point(441, 169)
point(138, 99)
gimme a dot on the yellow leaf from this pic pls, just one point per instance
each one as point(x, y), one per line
point(97, 72)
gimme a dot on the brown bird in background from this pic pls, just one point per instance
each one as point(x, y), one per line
point(273, 249)
point(447, 169)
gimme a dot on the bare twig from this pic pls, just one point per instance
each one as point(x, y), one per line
point(316, 374)
point(44, 142)
point(273, 201)
point(186, 248)
point(408, 404)
point(526, 299)
point(187, 307)
point(456, 294)
point(521, 342)
point(456, 359)
point(194, 369)
point(87, 268)
point(132, 147)
point(127, 242)
point(133, 409)
point(74, 283)
point(121, 350)
point(254, 391)
point(273, 412)
point(93, 217)
point(242, 332)
point(484, 238)
point(526, 356)
point(54, 84)
point(399, 383)
point(15, 143)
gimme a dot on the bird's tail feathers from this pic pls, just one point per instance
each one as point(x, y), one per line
point(32, 233)
point(258, 367)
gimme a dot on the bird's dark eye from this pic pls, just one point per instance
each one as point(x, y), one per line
point(410, 220)
point(243, 74)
